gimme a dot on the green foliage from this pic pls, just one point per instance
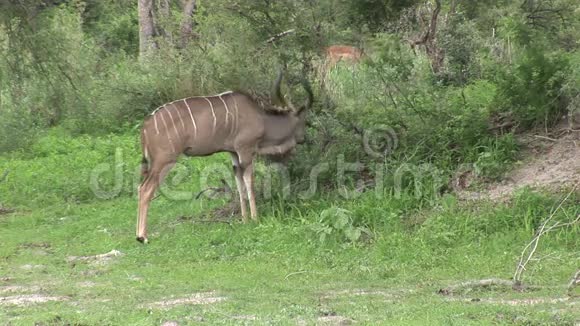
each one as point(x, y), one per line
point(532, 90)
point(462, 43)
point(59, 168)
point(495, 157)
point(188, 259)
point(338, 223)
point(373, 15)
point(75, 65)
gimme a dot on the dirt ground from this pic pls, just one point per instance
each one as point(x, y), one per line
point(550, 161)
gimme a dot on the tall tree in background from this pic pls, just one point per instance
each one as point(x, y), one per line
point(187, 24)
point(156, 21)
point(428, 19)
point(146, 27)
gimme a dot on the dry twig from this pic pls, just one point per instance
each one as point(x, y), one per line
point(546, 138)
point(225, 189)
point(294, 273)
point(530, 248)
point(575, 281)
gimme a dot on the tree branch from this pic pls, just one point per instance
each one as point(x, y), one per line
point(280, 35)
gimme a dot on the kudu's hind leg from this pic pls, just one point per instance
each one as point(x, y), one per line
point(240, 185)
point(249, 182)
point(146, 192)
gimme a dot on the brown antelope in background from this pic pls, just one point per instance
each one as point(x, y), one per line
point(229, 122)
point(338, 53)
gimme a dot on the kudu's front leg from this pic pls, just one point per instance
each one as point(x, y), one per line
point(245, 159)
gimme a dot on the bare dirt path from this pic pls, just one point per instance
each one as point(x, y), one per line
point(551, 162)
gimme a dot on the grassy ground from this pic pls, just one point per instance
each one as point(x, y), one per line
point(275, 272)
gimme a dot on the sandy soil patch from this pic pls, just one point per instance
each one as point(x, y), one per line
point(193, 299)
point(86, 284)
point(334, 320)
point(551, 162)
point(100, 259)
point(389, 294)
point(518, 302)
point(18, 289)
point(31, 267)
point(28, 299)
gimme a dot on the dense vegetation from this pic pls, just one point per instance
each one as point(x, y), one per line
point(426, 102)
point(491, 69)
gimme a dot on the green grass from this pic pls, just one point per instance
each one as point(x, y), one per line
point(274, 272)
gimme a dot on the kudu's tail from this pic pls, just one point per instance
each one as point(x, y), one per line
point(145, 159)
point(144, 167)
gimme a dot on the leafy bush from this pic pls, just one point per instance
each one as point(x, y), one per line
point(532, 90)
point(338, 223)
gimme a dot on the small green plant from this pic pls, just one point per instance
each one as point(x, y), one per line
point(338, 223)
point(496, 157)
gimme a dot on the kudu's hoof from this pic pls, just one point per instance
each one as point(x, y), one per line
point(142, 240)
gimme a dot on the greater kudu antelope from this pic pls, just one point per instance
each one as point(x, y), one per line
point(229, 122)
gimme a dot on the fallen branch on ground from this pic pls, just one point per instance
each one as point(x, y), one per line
point(106, 256)
point(530, 248)
point(525, 258)
point(225, 188)
point(294, 273)
point(574, 282)
point(546, 138)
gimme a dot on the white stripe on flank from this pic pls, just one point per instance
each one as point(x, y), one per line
point(173, 123)
point(156, 128)
point(187, 98)
point(227, 110)
point(191, 115)
point(224, 93)
point(155, 118)
point(168, 135)
point(236, 116)
point(180, 118)
point(214, 117)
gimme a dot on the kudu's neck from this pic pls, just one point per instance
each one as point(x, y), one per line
point(280, 126)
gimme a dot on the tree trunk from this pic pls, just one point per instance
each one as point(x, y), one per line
point(429, 40)
point(187, 24)
point(146, 27)
point(162, 20)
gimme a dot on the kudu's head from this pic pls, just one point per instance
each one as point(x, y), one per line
point(297, 116)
